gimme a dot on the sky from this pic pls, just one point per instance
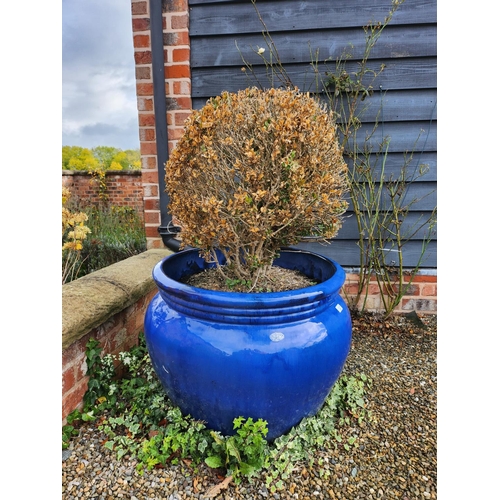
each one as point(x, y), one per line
point(99, 106)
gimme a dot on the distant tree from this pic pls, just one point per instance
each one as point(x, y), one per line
point(105, 155)
point(100, 158)
point(78, 158)
point(133, 158)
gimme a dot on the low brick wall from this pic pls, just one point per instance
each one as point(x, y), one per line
point(109, 306)
point(123, 188)
point(420, 297)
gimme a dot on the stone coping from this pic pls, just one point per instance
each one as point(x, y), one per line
point(90, 301)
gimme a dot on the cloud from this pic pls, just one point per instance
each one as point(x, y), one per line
point(99, 105)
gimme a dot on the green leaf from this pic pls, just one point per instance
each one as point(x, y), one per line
point(214, 461)
point(233, 449)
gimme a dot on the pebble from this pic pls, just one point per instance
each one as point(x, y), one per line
point(395, 456)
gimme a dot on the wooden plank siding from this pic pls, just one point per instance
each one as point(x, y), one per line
point(223, 32)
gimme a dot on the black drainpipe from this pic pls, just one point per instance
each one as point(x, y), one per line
point(166, 229)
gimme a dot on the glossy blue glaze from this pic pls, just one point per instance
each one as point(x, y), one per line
point(221, 355)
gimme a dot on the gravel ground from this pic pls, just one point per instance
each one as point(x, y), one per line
point(396, 452)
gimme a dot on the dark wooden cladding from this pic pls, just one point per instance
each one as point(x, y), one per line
point(288, 15)
point(407, 74)
point(226, 33)
point(295, 47)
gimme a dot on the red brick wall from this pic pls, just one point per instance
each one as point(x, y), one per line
point(420, 297)
point(177, 91)
point(118, 334)
point(122, 188)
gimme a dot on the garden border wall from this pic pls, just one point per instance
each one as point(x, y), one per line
point(107, 305)
point(123, 188)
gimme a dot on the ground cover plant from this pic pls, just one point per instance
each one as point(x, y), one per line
point(137, 419)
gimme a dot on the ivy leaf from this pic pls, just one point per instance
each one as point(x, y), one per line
point(214, 461)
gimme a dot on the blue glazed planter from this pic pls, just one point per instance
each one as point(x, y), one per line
point(221, 355)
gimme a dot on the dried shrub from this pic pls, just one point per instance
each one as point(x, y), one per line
point(253, 172)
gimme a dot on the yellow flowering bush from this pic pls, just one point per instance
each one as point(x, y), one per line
point(74, 231)
point(253, 172)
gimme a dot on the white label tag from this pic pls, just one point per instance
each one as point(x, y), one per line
point(339, 308)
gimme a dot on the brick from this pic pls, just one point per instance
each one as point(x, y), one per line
point(148, 162)
point(179, 22)
point(73, 399)
point(177, 71)
point(145, 104)
point(419, 305)
point(176, 6)
point(140, 24)
point(146, 120)
point(175, 133)
point(144, 89)
point(178, 103)
point(143, 57)
point(422, 278)
point(152, 218)
point(147, 134)
point(139, 8)
point(182, 88)
point(151, 191)
point(181, 55)
point(143, 73)
point(148, 148)
point(151, 232)
point(181, 117)
point(153, 242)
point(152, 204)
point(142, 42)
point(174, 39)
point(68, 379)
point(428, 290)
point(150, 177)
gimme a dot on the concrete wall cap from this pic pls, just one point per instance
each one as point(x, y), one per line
point(91, 300)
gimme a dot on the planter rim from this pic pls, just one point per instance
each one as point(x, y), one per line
point(298, 303)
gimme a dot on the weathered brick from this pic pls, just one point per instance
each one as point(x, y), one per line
point(139, 8)
point(140, 24)
point(143, 57)
point(147, 134)
point(143, 73)
point(148, 148)
point(178, 22)
point(175, 6)
point(182, 87)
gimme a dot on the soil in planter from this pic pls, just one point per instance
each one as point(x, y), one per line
point(277, 279)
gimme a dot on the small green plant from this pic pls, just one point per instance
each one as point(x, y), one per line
point(243, 454)
point(139, 420)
